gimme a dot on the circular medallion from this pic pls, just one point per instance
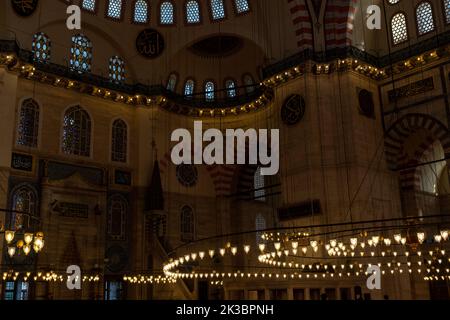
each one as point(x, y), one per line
point(24, 8)
point(117, 258)
point(366, 104)
point(293, 109)
point(150, 43)
point(187, 175)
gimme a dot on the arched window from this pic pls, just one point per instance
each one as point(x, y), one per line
point(141, 11)
point(23, 200)
point(217, 9)
point(249, 84)
point(115, 9)
point(189, 88)
point(424, 18)
point(242, 6)
point(209, 91)
point(447, 10)
point(116, 69)
point(28, 129)
point(187, 224)
point(192, 11)
point(88, 5)
point(117, 216)
point(119, 141)
point(76, 139)
point(172, 82)
point(260, 224)
point(41, 47)
point(81, 53)
point(258, 185)
point(166, 15)
point(398, 28)
point(230, 85)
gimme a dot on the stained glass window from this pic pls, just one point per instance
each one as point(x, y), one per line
point(119, 141)
point(260, 192)
point(23, 200)
point(447, 10)
point(249, 84)
point(399, 29)
point(27, 133)
point(117, 215)
point(141, 11)
point(189, 88)
point(192, 12)
point(209, 91)
point(166, 13)
point(172, 82)
point(116, 69)
point(242, 6)
point(231, 88)
point(41, 47)
point(424, 18)
point(88, 5)
point(115, 9)
point(76, 138)
point(81, 53)
point(217, 9)
point(187, 224)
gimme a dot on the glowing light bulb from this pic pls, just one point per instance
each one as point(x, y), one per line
point(247, 248)
point(375, 240)
point(222, 252)
point(234, 251)
point(333, 243)
point(421, 237)
point(9, 236)
point(387, 242)
point(211, 253)
point(201, 254)
point(294, 245)
point(277, 245)
point(313, 243)
point(304, 250)
point(444, 234)
point(262, 246)
point(11, 251)
point(354, 241)
point(403, 241)
point(398, 238)
point(438, 238)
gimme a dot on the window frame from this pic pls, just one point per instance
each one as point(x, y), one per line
point(417, 22)
point(236, 11)
point(226, 88)
point(446, 21)
point(123, 70)
point(174, 14)
point(391, 33)
point(122, 11)
point(210, 10)
point(177, 76)
point(246, 87)
point(215, 91)
point(133, 10)
point(39, 124)
point(183, 234)
point(49, 46)
point(200, 20)
point(89, 59)
point(94, 12)
point(91, 136)
point(194, 82)
point(12, 205)
point(127, 142)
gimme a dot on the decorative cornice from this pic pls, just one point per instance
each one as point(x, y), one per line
point(337, 60)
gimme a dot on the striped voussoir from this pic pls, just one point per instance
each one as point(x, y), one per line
point(399, 132)
point(339, 20)
point(302, 23)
